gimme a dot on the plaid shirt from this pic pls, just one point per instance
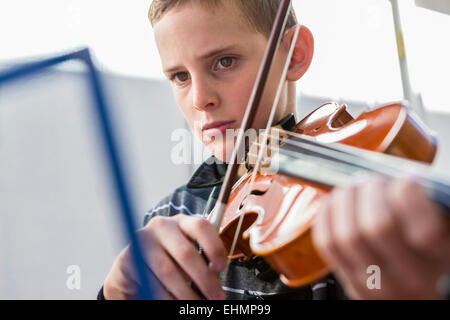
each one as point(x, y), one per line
point(244, 280)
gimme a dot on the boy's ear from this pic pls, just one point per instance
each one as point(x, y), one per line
point(303, 52)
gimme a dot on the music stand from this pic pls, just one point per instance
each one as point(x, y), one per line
point(110, 143)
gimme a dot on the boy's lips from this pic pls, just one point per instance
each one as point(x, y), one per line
point(217, 128)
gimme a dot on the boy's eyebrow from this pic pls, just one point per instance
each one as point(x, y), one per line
point(207, 55)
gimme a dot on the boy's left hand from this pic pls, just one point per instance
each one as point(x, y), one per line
point(389, 224)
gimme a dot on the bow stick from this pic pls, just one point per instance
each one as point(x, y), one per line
point(255, 99)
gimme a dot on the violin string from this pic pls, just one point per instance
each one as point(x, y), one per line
point(353, 161)
point(276, 35)
point(269, 125)
point(317, 158)
point(330, 172)
point(284, 9)
point(342, 148)
point(303, 149)
point(323, 172)
point(358, 153)
point(377, 159)
point(337, 156)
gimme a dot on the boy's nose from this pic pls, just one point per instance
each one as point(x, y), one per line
point(204, 96)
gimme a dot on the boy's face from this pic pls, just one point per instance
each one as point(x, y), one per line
point(212, 59)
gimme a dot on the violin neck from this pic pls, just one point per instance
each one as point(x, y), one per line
point(334, 165)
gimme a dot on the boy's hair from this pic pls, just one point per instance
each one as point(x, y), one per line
point(259, 14)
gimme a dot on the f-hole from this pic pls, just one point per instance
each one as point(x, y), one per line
point(255, 193)
point(258, 192)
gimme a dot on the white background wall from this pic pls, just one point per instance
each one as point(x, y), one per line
point(56, 207)
point(355, 56)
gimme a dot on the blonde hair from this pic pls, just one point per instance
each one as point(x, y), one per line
point(259, 14)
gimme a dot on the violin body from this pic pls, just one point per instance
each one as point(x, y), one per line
point(279, 210)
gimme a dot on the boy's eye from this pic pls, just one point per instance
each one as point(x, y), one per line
point(181, 77)
point(225, 63)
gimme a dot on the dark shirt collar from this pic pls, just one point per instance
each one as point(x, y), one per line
point(212, 172)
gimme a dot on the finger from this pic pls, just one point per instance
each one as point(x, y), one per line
point(159, 291)
point(324, 242)
point(423, 226)
point(206, 235)
point(124, 283)
point(350, 239)
point(183, 251)
point(324, 237)
point(351, 243)
point(346, 229)
point(176, 281)
point(167, 272)
point(399, 269)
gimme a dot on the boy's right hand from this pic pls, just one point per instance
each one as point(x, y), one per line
point(170, 253)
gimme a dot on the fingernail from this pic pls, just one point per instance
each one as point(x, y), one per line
point(218, 295)
point(220, 265)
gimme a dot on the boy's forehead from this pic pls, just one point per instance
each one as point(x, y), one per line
point(191, 26)
point(226, 13)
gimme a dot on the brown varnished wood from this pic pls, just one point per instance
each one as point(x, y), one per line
point(279, 211)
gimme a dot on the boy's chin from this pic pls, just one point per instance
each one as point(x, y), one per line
point(222, 151)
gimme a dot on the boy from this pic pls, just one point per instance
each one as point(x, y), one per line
point(211, 52)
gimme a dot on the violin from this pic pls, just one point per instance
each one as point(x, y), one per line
point(278, 209)
point(271, 214)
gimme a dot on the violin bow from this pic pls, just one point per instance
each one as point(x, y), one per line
point(414, 99)
point(255, 99)
point(275, 40)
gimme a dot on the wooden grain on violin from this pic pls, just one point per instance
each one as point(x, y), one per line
point(279, 210)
